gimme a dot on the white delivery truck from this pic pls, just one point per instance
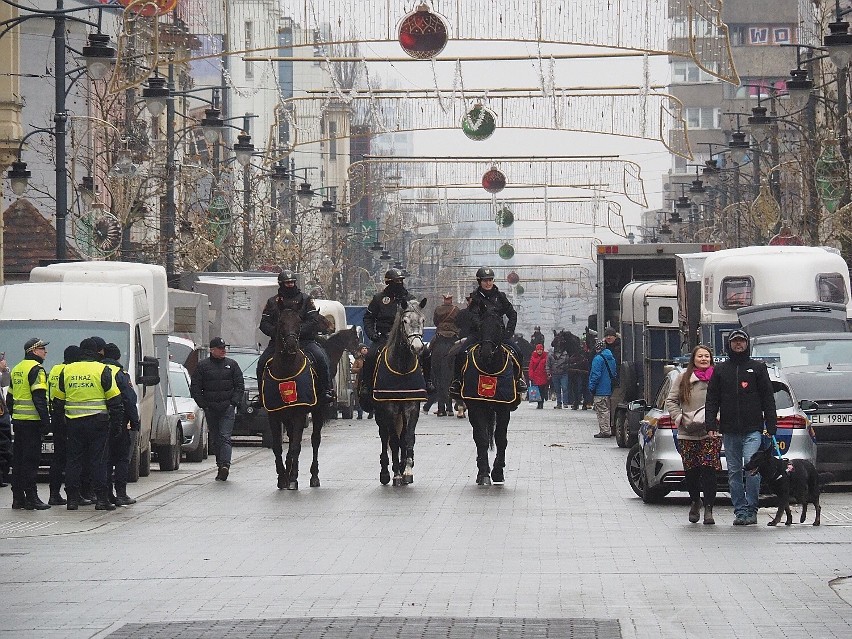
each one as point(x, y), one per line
point(125, 303)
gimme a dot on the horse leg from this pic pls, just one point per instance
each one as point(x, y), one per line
point(277, 450)
point(478, 418)
point(316, 438)
point(395, 445)
point(384, 433)
point(408, 434)
point(294, 433)
point(502, 440)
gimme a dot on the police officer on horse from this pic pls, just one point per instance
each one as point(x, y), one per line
point(289, 296)
point(378, 321)
point(487, 298)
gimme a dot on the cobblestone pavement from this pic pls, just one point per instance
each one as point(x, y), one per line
point(563, 549)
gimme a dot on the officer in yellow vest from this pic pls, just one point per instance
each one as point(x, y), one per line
point(57, 427)
point(91, 401)
point(27, 401)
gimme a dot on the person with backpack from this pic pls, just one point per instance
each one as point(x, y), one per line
point(601, 377)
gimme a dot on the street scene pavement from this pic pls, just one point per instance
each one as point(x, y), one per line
point(563, 549)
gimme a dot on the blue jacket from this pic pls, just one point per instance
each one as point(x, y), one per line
point(599, 379)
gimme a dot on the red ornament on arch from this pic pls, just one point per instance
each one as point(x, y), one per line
point(423, 34)
point(494, 181)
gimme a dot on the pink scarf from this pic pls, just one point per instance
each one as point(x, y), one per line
point(703, 375)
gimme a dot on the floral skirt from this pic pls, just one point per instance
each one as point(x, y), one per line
point(701, 452)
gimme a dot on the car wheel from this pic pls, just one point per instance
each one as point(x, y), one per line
point(634, 470)
point(197, 455)
point(651, 495)
point(620, 428)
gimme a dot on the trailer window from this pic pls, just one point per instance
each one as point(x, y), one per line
point(736, 292)
point(665, 315)
point(831, 288)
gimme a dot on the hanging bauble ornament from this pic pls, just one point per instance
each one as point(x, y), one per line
point(830, 175)
point(504, 217)
point(765, 210)
point(507, 251)
point(513, 278)
point(786, 237)
point(493, 181)
point(479, 123)
point(519, 290)
point(423, 34)
point(148, 8)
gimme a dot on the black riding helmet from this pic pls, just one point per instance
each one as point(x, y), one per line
point(286, 276)
point(394, 274)
point(485, 273)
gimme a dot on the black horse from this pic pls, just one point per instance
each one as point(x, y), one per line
point(566, 341)
point(490, 417)
point(283, 376)
point(397, 418)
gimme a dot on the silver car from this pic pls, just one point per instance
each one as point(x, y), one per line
point(192, 420)
point(654, 466)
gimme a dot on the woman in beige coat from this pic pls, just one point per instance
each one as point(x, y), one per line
point(699, 448)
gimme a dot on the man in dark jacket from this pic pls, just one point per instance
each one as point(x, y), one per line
point(378, 321)
point(740, 394)
point(290, 296)
point(118, 467)
point(217, 386)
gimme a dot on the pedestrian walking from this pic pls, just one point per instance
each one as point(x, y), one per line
point(91, 401)
point(600, 386)
point(557, 372)
point(357, 365)
point(538, 372)
point(27, 402)
point(58, 427)
point(118, 466)
point(217, 386)
point(740, 405)
point(700, 448)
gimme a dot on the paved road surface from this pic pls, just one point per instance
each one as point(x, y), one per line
point(564, 549)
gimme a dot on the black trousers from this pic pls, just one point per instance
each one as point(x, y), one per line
point(5, 446)
point(118, 468)
point(312, 349)
point(88, 443)
point(26, 454)
point(60, 456)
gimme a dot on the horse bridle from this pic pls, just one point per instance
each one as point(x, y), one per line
point(411, 337)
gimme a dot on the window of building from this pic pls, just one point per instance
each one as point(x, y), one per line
point(249, 44)
point(703, 117)
point(831, 287)
point(736, 292)
point(684, 72)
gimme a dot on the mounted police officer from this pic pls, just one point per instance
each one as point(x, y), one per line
point(289, 296)
point(487, 298)
point(378, 321)
point(27, 402)
point(91, 400)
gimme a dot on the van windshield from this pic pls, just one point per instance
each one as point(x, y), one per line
point(807, 352)
point(15, 333)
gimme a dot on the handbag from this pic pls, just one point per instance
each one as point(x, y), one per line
point(533, 393)
point(614, 381)
point(692, 423)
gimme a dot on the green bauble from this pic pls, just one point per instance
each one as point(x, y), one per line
point(479, 123)
point(507, 251)
point(504, 218)
point(519, 290)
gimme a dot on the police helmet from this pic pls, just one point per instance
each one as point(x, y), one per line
point(394, 274)
point(286, 276)
point(485, 273)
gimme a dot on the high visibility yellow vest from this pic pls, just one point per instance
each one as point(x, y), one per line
point(53, 380)
point(83, 393)
point(24, 409)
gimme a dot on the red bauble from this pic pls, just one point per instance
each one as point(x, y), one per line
point(513, 278)
point(149, 8)
point(493, 181)
point(423, 34)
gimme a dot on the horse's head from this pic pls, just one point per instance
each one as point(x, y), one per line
point(491, 333)
point(411, 323)
point(287, 332)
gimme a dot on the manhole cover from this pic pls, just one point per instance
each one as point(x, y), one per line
point(379, 628)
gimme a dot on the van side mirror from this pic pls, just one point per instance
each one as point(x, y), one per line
point(808, 405)
point(148, 371)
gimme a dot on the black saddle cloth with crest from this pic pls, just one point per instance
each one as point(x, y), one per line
point(390, 385)
point(289, 392)
point(497, 385)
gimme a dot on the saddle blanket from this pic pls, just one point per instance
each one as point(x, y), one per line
point(298, 390)
point(390, 385)
point(490, 386)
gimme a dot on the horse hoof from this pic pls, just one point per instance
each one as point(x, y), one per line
point(384, 477)
point(315, 483)
point(293, 485)
point(398, 481)
point(408, 479)
point(497, 475)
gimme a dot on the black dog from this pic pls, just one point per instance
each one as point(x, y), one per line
point(794, 480)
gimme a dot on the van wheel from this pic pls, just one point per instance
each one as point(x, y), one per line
point(169, 455)
point(619, 427)
point(145, 461)
point(133, 470)
point(634, 469)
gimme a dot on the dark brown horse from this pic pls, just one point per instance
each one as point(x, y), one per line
point(287, 362)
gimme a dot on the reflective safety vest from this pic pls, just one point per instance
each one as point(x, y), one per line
point(53, 381)
point(23, 408)
point(83, 393)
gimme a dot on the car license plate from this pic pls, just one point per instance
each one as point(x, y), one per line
point(832, 418)
point(47, 447)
